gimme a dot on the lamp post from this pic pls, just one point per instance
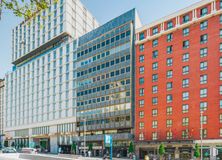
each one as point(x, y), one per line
point(201, 135)
point(84, 137)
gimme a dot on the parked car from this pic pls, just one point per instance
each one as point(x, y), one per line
point(29, 150)
point(9, 150)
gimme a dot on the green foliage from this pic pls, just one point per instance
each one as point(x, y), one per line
point(25, 9)
point(73, 147)
point(131, 148)
point(161, 150)
point(197, 151)
point(90, 147)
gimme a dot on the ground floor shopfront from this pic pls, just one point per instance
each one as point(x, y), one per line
point(178, 150)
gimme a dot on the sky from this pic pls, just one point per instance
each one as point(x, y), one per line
point(103, 11)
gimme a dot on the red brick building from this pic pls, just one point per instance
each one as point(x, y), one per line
point(178, 76)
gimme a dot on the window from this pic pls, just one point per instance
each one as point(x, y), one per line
point(203, 38)
point(185, 83)
point(154, 124)
point(169, 98)
point(186, 31)
point(141, 91)
point(220, 75)
point(169, 123)
point(203, 11)
point(154, 136)
point(203, 106)
point(141, 125)
point(220, 19)
point(169, 85)
point(220, 118)
point(155, 30)
point(185, 108)
point(220, 104)
point(142, 36)
point(142, 70)
point(141, 136)
point(141, 59)
point(203, 120)
point(169, 37)
point(169, 61)
point(203, 79)
point(220, 33)
point(155, 77)
point(203, 66)
point(186, 57)
point(203, 25)
point(185, 70)
point(169, 74)
point(220, 47)
point(203, 92)
point(169, 25)
point(186, 44)
point(186, 18)
point(220, 132)
point(155, 54)
point(141, 47)
point(141, 114)
point(220, 89)
point(155, 42)
point(220, 61)
point(204, 133)
point(154, 89)
point(169, 135)
point(154, 112)
point(141, 80)
point(155, 66)
point(220, 4)
point(141, 103)
point(185, 121)
point(169, 110)
point(203, 52)
point(169, 49)
point(185, 96)
point(185, 134)
point(154, 100)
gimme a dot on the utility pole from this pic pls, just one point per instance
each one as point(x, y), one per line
point(201, 135)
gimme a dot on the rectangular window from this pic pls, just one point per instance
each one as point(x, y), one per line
point(186, 31)
point(154, 89)
point(203, 79)
point(203, 39)
point(141, 136)
point(203, 66)
point(141, 125)
point(220, 61)
point(155, 42)
point(185, 70)
point(155, 30)
point(141, 103)
point(141, 70)
point(154, 112)
point(169, 37)
point(203, 120)
point(141, 47)
point(185, 134)
point(155, 54)
point(141, 114)
point(203, 25)
point(155, 66)
point(203, 11)
point(185, 96)
point(141, 81)
point(186, 57)
point(220, 47)
point(220, 19)
point(154, 124)
point(169, 123)
point(185, 83)
point(185, 108)
point(220, 75)
point(169, 61)
point(169, 85)
point(169, 25)
point(186, 44)
point(221, 90)
point(169, 49)
point(154, 136)
point(186, 18)
point(203, 92)
point(169, 98)
point(169, 74)
point(154, 100)
point(203, 106)
point(220, 33)
point(203, 52)
point(141, 59)
point(142, 36)
point(204, 133)
point(220, 118)
point(141, 91)
point(169, 110)
point(155, 77)
point(185, 121)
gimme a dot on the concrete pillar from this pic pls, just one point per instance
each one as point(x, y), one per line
point(177, 153)
point(53, 144)
point(137, 150)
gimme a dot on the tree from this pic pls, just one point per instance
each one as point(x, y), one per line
point(131, 148)
point(73, 147)
point(197, 151)
point(90, 147)
point(24, 8)
point(161, 150)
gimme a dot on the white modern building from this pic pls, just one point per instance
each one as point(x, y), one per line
point(40, 96)
point(2, 91)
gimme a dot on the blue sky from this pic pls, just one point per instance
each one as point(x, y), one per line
point(103, 11)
